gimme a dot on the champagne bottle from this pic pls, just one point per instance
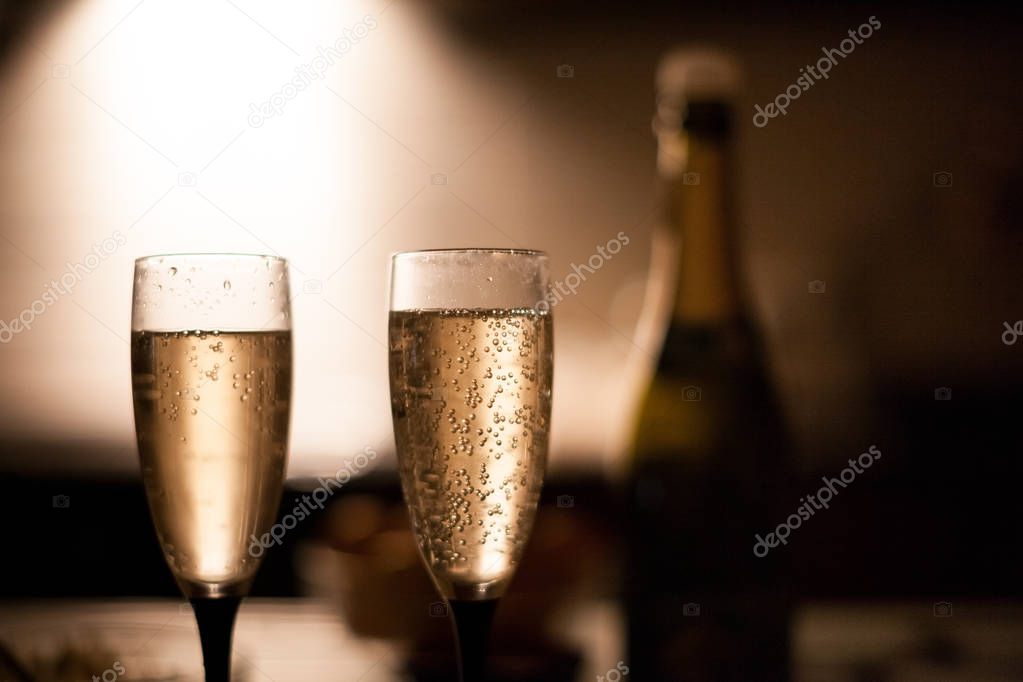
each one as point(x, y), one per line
point(708, 461)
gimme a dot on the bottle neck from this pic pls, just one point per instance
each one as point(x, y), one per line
point(700, 216)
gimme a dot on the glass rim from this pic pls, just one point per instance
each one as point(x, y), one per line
point(211, 254)
point(508, 251)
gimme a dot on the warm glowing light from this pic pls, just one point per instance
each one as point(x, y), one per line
point(333, 136)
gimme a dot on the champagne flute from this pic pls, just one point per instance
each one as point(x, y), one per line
point(470, 340)
point(211, 383)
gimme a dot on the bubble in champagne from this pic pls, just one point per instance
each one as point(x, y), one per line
point(230, 458)
point(444, 366)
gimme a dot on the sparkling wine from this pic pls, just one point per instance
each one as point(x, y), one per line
point(471, 394)
point(709, 455)
point(211, 414)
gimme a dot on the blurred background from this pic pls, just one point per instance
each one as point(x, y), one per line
point(879, 228)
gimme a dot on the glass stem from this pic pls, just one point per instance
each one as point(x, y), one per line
point(216, 627)
point(472, 621)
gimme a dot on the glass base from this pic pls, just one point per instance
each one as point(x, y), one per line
point(471, 591)
point(199, 590)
